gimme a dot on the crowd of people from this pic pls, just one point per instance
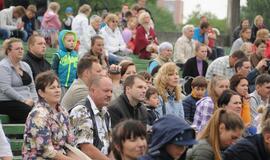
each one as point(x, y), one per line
point(91, 103)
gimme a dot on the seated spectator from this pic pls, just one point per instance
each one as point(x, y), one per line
point(195, 66)
point(17, 89)
point(29, 20)
point(247, 48)
point(239, 84)
point(169, 90)
point(256, 26)
point(92, 31)
point(244, 37)
point(151, 102)
point(224, 66)
point(165, 52)
point(251, 148)
point(97, 50)
point(145, 39)
point(113, 40)
point(91, 122)
point(65, 60)
point(263, 34)
point(129, 104)
point(259, 54)
point(129, 32)
point(51, 24)
point(129, 140)
point(87, 69)
point(35, 56)
point(148, 78)
point(243, 67)
point(223, 130)
point(5, 150)
point(200, 33)
point(68, 18)
point(184, 47)
point(260, 96)
point(206, 106)
point(80, 25)
point(198, 86)
point(213, 50)
point(171, 135)
point(47, 129)
point(11, 24)
point(244, 23)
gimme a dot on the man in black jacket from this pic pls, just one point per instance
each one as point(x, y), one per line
point(129, 104)
point(255, 147)
point(35, 55)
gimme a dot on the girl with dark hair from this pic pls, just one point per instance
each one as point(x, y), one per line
point(129, 140)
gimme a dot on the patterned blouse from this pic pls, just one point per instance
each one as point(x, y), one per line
point(46, 132)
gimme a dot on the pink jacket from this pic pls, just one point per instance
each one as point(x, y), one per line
point(51, 21)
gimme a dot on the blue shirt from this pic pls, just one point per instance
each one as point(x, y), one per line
point(198, 36)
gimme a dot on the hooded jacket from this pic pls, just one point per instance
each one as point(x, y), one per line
point(164, 131)
point(65, 62)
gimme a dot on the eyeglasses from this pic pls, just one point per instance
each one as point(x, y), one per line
point(114, 21)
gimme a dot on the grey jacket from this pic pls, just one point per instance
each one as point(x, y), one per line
point(201, 151)
point(11, 85)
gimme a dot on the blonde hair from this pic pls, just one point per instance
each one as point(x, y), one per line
point(211, 89)
point(54, 6)
point(111, 17)
point(32, 8)
point(7, 44)
point(162, 78)
point(261, 33)
point(211, 133)
point(142, 17)
point(257, 18)
point(85, 9)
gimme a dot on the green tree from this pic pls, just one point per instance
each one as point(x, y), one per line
point(256, 7)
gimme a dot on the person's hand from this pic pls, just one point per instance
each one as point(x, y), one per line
point(114, 69)
point(261, 64)
point(20, 25)
point(29, 102)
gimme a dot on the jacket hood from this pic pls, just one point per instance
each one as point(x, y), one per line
point(166, 129)
point(61, 36)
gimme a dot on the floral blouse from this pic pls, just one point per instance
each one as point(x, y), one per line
point(46, 132)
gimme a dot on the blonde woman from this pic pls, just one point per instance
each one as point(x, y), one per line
point(223, 129)
point(167, 84)
point(257, 25)
point(206, 106)
point(145, 39)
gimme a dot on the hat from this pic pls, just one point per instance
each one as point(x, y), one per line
point(69, 10)
point(184, 138)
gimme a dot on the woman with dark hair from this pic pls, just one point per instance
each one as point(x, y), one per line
point(244, 23)
point(47, 128)
point(17, 88)
point(129, 140)
point(239, 84)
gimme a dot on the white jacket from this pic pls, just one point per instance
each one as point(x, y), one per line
point(113, 41)
point(7, 21)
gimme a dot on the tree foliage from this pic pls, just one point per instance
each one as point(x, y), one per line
point(194, 18)
point(256, 7)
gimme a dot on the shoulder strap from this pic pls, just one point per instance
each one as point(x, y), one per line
point(96, 141)
point(253, 97)
point(163, 107)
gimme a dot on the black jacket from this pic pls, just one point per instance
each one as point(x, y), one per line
point(249, 148)
point(36, 64)
point(191, 70)
point(121, 109)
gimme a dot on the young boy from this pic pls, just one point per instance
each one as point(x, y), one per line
point(69, 18)
point(198, 88)
point(29, 20)
point(66, 59)
point(151, 102)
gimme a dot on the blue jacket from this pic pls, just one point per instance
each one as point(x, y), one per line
point(164, 131)
point(65, 62)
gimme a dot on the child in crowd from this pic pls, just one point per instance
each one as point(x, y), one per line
point(198, 86)
point(66, 59)
point(147, 77)
point(69, 18)
point(29, 20)
point(151, 102)
point(51, 24)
